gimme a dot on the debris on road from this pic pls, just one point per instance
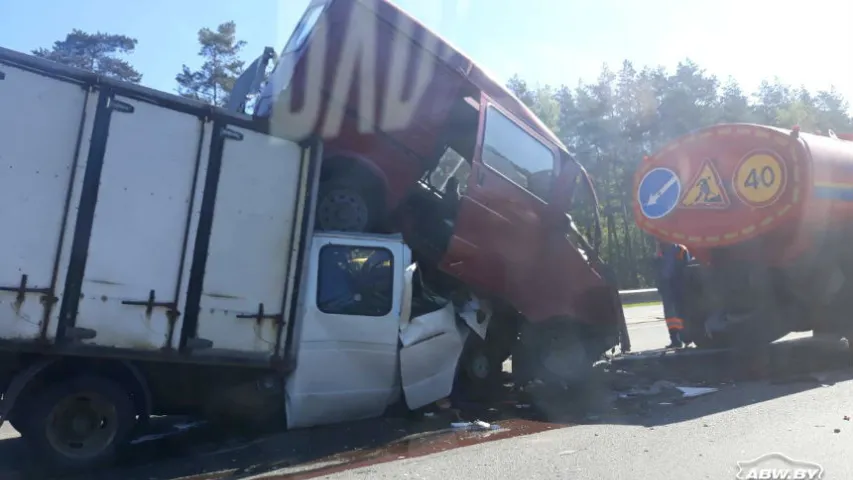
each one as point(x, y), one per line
point(175, 429)
point(690, 392)
point(475, 425)
point(655, 389)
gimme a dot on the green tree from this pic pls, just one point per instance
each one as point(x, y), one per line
point(101, 53)
point(213, 81)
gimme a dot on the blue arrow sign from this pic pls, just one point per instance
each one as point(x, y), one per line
point(658, 192)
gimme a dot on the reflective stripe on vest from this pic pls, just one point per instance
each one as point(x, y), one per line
point(674, 323)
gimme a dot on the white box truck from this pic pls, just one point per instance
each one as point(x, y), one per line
point(158, 257)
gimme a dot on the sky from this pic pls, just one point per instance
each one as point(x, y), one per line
point(544, 41)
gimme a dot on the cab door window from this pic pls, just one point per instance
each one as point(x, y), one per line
point(517, 155)
point(355, 281)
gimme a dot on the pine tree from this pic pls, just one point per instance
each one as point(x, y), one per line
point(97, 52)
point(213, 81)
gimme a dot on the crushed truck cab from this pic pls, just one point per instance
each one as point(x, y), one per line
point(357, 352)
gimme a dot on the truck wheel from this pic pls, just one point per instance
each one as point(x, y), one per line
point(346, 206)
point(17, 419)
point(80, 423)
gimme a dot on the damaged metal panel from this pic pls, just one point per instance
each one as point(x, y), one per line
point(42, 123)
point(431, 347)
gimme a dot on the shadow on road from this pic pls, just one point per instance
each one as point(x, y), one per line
point(643, 390)
point(635, 390)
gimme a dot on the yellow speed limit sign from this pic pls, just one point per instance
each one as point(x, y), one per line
point(760, 179)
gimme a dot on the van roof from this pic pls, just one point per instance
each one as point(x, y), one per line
point(463, 65)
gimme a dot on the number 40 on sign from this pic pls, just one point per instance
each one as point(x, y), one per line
point(759, 179)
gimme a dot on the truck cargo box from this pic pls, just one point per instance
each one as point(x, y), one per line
point(142, 221)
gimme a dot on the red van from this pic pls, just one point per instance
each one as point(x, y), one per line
point(402, 113)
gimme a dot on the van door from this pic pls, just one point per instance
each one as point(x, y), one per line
point(431, 345)
point(346, 362)
point(499, 225)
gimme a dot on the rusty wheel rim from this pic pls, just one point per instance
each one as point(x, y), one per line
point(82, 425)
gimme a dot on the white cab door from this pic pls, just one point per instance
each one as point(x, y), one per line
point(347, 356)
point(430, 347)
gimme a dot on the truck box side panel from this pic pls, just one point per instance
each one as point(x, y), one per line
point(256, 220)
point(41, 120)
point(136, 253)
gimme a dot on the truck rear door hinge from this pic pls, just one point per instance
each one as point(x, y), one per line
point(150, 304)
point(80, 333)
point(231, 134)
point(2, 75)
point(199, 343)
point(119, 106)
point(261, 315)
point(22, 289)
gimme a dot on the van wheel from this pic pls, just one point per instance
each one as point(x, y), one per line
point(80, 423)
point(556, 353)
point(481, 368)
point(347, 206)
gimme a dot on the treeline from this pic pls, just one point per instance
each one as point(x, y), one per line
point(610, 124)
point(108, 54)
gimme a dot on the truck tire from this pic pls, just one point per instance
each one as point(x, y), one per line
point(348, 205)
point(78, 424)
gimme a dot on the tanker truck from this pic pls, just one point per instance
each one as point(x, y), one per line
point(768, 215)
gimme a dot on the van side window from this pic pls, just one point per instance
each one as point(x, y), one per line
point(303, 28)
point(355, 280)
point(451, 164)
point(517, 155)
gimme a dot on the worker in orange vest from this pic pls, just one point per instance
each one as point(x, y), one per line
point(673, 259)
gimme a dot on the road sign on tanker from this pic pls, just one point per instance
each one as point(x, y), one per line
point(658, 193)
point(706, 190)
point(744, 181)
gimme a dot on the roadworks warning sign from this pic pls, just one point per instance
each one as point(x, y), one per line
point(706, 190)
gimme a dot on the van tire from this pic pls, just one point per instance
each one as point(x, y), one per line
point(78, 403)
point(348, 205)
point(555, 353)
point(480, 369)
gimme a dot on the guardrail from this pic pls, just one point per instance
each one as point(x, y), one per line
point(643, 295)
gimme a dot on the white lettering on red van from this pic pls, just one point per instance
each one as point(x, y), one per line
point(358, 56)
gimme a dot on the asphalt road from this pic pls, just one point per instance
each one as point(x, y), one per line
point(704, 438)
point(629, 425)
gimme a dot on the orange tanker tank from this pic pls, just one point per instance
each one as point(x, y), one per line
point(734, 184)
point(769, 214)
